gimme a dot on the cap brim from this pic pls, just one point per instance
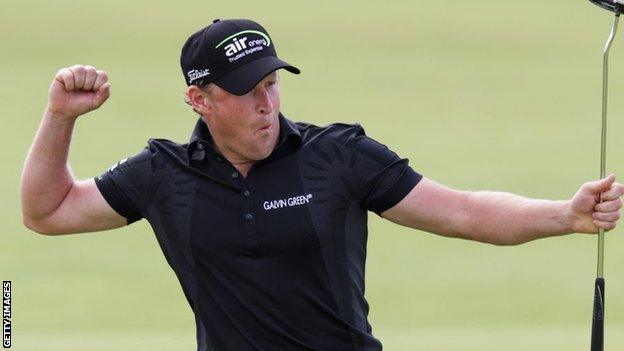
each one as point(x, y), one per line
point(241, 80)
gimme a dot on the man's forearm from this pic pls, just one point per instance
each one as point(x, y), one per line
point(507, 219)
point(46, 177)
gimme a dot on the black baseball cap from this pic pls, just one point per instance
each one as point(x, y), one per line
point(234, 54)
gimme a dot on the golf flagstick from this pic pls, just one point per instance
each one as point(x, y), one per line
point(597, 338)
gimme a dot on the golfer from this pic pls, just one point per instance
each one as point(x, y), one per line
point(262, 219)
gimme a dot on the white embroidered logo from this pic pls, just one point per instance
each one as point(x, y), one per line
point(287, 202)
point(197, 74)
point(237, 46)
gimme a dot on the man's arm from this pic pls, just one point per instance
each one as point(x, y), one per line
point(52, 201)
point(507, 219)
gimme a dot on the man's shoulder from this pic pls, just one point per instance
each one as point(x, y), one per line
point(160, 148)
point(166, 143)
point(340, 133)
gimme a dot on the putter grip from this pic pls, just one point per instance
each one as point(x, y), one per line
point(597, 338)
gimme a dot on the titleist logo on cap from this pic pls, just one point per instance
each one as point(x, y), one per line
point(196, 74)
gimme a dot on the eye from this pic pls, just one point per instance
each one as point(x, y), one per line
point(271, 83)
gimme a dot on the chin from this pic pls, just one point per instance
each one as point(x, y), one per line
point(255, 152)
point(261, 155)
point(263, 149)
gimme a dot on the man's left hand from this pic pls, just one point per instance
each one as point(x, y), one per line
point(588, 214)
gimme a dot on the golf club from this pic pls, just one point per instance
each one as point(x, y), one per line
point(597, 337)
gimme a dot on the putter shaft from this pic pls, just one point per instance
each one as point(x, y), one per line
point(603, 134)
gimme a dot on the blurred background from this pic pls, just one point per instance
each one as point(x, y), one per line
point(477, 94)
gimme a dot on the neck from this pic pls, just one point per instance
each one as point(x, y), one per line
point(243, 168)
point(241, 164)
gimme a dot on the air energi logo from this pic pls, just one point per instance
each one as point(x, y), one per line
point(239, 46)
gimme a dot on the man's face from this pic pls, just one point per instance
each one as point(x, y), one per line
point(245, 128)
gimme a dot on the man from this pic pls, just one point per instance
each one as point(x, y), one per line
point(263, 220)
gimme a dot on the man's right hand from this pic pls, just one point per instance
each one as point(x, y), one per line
point(77, 90)
point(53, 202)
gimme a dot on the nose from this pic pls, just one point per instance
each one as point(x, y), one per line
point(264, 105)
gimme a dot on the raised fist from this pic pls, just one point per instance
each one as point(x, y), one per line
point(77, 90)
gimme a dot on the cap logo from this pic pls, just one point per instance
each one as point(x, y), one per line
point(242, 46)
point(195, 74)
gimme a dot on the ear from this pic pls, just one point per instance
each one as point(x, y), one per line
point(199, 100)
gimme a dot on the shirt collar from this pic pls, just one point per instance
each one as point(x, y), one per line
point(289, 133)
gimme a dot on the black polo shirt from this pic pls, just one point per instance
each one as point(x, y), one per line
point(274, 260)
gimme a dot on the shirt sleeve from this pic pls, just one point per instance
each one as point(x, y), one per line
point(384, 178)
point(126, 185)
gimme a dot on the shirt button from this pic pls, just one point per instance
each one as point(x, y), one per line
point(246, 193)
point(234, 174)
point(249, 216)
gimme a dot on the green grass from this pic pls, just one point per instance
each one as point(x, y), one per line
point(444, 338)
point(478, 95)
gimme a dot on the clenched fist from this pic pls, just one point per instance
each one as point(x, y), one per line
point(77, 90)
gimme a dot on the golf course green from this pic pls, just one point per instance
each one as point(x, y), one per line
point(479, 95)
